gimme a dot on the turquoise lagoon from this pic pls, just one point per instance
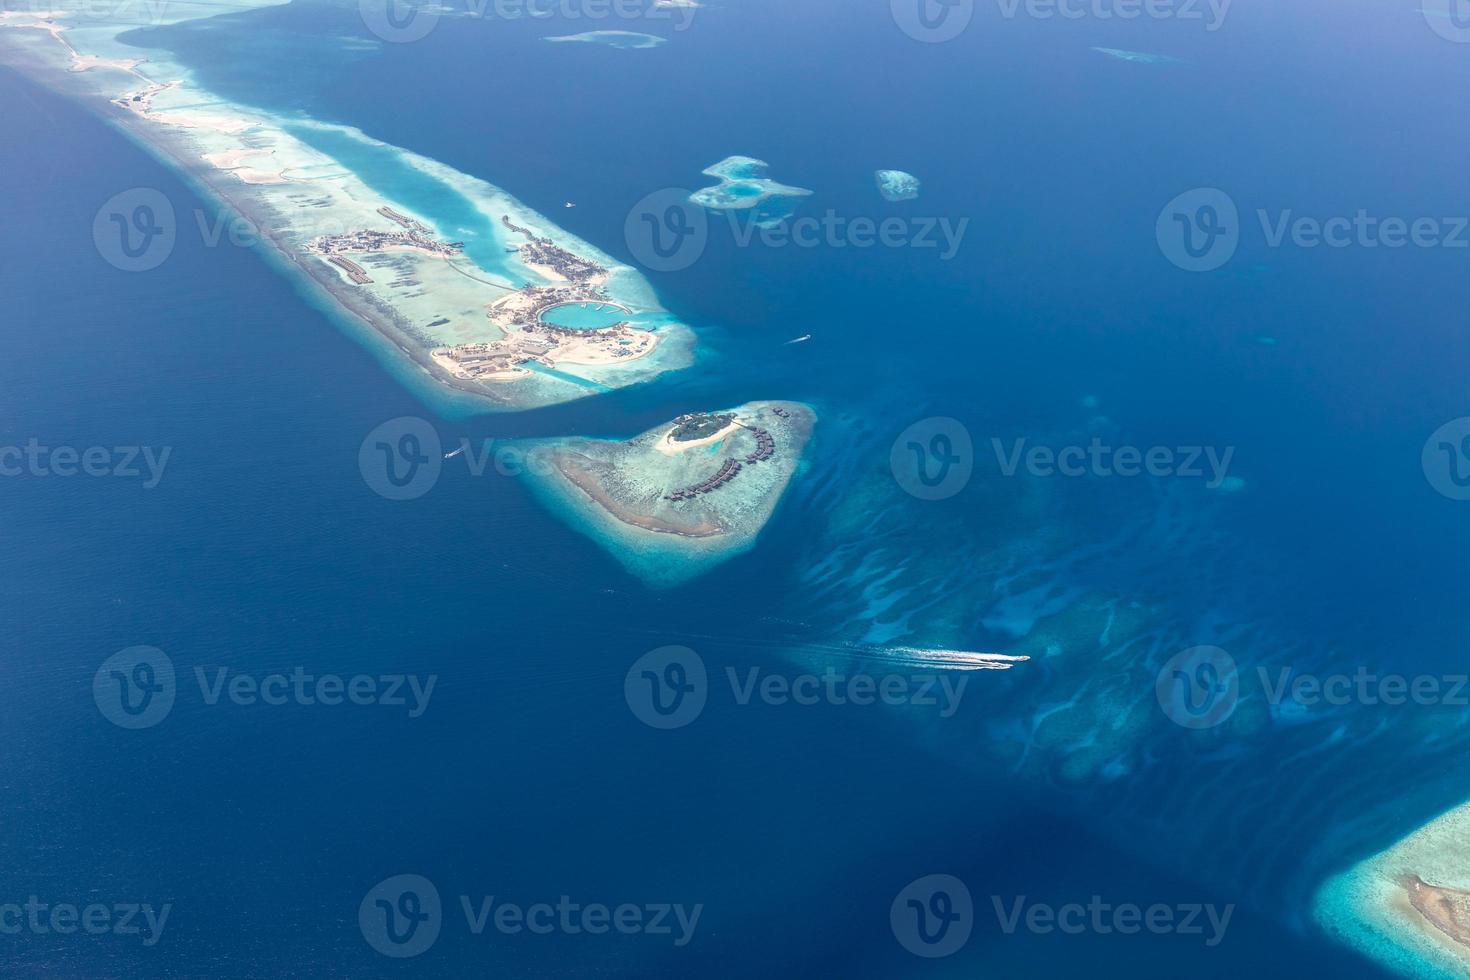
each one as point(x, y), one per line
point(744, 186)
point(597, 316)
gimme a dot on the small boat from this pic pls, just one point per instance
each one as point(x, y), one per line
point(805, 336)
point(451, 455)
point(569, 204)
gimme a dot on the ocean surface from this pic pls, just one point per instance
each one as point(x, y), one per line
point(527, 777)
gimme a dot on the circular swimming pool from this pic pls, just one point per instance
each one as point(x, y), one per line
point(584, 316)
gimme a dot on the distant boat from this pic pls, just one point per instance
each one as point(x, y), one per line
point(451, 455)
point(955, 659)
point(805, 336)
point(569, 204)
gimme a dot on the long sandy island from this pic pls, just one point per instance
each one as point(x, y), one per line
point(450, 302)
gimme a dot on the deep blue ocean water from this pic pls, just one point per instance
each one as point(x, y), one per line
point(528, 778)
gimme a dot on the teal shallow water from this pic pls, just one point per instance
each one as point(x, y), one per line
point(1173, 361)
point(584, 316)
point(453, 215)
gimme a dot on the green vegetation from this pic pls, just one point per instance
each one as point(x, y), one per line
point(699, 426)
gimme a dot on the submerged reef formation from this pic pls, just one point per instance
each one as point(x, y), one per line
point(895, 185)
point(631, 40)
point(1138, 57)
point(744, 186)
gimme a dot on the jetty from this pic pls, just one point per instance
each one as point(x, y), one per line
point(354, 271)
point(728, 469)
point(765, 448)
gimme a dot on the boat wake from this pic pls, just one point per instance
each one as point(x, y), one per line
point(952, 659)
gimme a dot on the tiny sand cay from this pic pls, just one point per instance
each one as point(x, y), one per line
point(1409, 907)
point(628, 40)
point(896, 185)
point(682, 497)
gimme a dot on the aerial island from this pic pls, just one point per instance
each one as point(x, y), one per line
point(1409, 906)
point(682, 497)
point(460, 290)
